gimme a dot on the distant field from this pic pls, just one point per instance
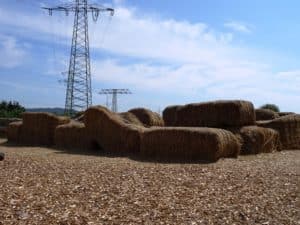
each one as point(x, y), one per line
point(46, 186)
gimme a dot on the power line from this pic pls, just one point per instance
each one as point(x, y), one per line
point(114, 92)
point(79, 91)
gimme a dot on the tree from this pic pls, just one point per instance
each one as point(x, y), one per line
point(272, 107)
point(11, 109)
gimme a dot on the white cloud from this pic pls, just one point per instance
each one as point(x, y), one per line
point(12, 53)
point(293, 75)
point(239, 26)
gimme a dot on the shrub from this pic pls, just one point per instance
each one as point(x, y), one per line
point(272, 107)
point(11, 109)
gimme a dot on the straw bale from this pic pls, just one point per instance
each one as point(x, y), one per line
point(189, 143)
point(38, 128)
point(256, 139)
point(72, 136)
point(288, 128)
point(14, 131)
point(265, 114)
point(170, 115)
point(216, 114)
point(110, 132)
point(148, 117)
point(130, 118)
point(286, 113)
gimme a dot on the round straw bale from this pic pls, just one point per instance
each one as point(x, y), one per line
point(110, 132)
point(288, 128)
point(72, 136)
point(14, 131)
point(255, 139)
point(130, 118)
point(170, 115)
point(216, 114)
point(148, 117)
point(265, 114)
point(208, 144)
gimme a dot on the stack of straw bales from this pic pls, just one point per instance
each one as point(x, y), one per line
point(265, 114)
point(147, 117)
point(72, 136)
point(36, 128)
point(256, 140)
point(236, 116)
point(130, 118)
point(208, 144)
point(170, 115)
point(111, 132)
point(288, 128)
point(212, 114)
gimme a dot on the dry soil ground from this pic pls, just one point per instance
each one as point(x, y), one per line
point(46, 186)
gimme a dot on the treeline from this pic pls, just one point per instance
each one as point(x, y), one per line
point(11, 109)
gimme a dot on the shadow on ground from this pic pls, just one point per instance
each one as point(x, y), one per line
point(98, 151)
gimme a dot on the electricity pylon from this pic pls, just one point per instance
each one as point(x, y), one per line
point(79, 90)
point(114, 93)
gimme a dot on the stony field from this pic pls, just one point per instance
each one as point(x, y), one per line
point(46, 186)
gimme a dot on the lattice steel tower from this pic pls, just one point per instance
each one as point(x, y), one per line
point(79, 90)
point(114, 93)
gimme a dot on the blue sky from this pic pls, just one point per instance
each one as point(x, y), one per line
point(167, 52)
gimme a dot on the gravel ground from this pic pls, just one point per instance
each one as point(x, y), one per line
point(46, 186)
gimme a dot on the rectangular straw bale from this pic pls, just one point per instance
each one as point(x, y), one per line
point(216, 114)
point(208, 144)
point(256, 139)
point(288, 128)
point(72, 136)
point(148, 117)
point(38, 128)
point(170, 115)
point(265, 114)
point(110, 132)
point(14, 131)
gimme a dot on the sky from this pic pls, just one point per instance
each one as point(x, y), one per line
point(166, 52)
